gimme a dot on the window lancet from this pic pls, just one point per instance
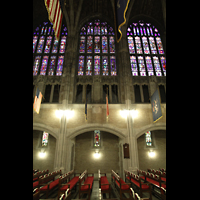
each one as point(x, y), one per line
point(144, 39)
point(97, 49)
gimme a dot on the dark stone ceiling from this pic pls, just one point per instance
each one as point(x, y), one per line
point(150, 8)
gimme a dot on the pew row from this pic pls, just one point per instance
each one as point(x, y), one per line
point(104, 184)
point(48, 182)
point(68, 181)
point(138, 184)
point(120, 185)
point(86, 183)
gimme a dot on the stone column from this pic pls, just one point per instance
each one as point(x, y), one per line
point(96, 89)
point(141, 93)
point(84, 93)
point(152, 84)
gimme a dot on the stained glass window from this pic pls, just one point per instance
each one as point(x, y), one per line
point(62, 44)
point(157, 66)
point(134, 66)
point(89, 44)
point(89, 65)
point(82, 44)
point(149, 66)
point(149, 36)
point(138, 45)
point(60, 65)
point(145, 45)
point(131, 45)
point(97, 44)
point(97, 138)
point(36, 65)
point(98, 37)
point(96, 65)
point(48, 45)
point(35, 38)
point(52, 65)
point(105, 65)
point(44, 65)
point(81, 65)
point(48, 53)
point(163, 62)
point(141, 66)
point(55, 46)
point(45, 137)
point(41, 44)
point(113, 66)
point(148, 138)
point(159, 45)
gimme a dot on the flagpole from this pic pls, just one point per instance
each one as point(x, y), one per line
point(107, 104)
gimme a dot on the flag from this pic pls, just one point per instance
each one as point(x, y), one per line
point(86, 108)
point(55, 13)
point(121, 7)
point(107, 109)
point(37, 101)
point(155, 105)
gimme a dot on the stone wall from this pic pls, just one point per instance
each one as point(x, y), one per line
point(48, 161)
point(109, 153)
point(159, 147)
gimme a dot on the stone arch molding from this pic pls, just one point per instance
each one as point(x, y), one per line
point(43, 127)
point(121, 133)
point(151, 127)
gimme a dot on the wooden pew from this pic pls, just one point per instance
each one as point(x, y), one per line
point(104, 184)
point(68, 180)
point(121, 186)
point(39, 173)
point(36, 194)
point(138, 184)
point(66, 195)
point(85, 183)
point(155, 181)
point(158, 172)
point(48, 182)
point(135, 196)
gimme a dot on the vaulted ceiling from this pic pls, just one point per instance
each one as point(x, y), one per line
point(150, 8)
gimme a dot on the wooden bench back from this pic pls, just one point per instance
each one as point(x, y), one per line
point(48, 177)
point(117, 177)
point(40, 173)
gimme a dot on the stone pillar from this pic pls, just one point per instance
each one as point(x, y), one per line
point(84, 93)
point(152, 85)
point(51, 94)
point(97, 89)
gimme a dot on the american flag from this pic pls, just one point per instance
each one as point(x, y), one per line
point(37, 101)
point(55, 12)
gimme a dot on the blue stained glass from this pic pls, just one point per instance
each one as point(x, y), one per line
point(149, 66)
point(55, 46)
point(104, 45)
point(44, 65)
point(97, 44)
point(52, 65)
point(112, 44)
point(41, 44)
point(82, 44)
point(36, 65)
point(105, 65)
point(60, 66)
point(81, 66)
point(48, 45)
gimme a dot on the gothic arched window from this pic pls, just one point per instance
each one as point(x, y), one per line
point(48, 53)
point(97, 49)
point(147, 56)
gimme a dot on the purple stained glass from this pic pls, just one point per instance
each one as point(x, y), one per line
point(36, 65)
point(40, 44)
point(82, 44)
point(104, 45)
point(112, 44)
point(134, 66)
point(44, 65)
point(55, 46)
point(52, 65)
point(48, 45)
point(145, 45)
point(105, 66)
point(159, 45)
point(81, 66)
point(131, 45)
point(163, 63)
point(149, 66)
point(89, 66)
point(113, 66)
point(97, 44)
point(35, 38)
point(157, 66)
point(96, 65)
point(141, 66)
point(89, 44)
point(60, 66)
point(152, 45)
point(62, 44)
